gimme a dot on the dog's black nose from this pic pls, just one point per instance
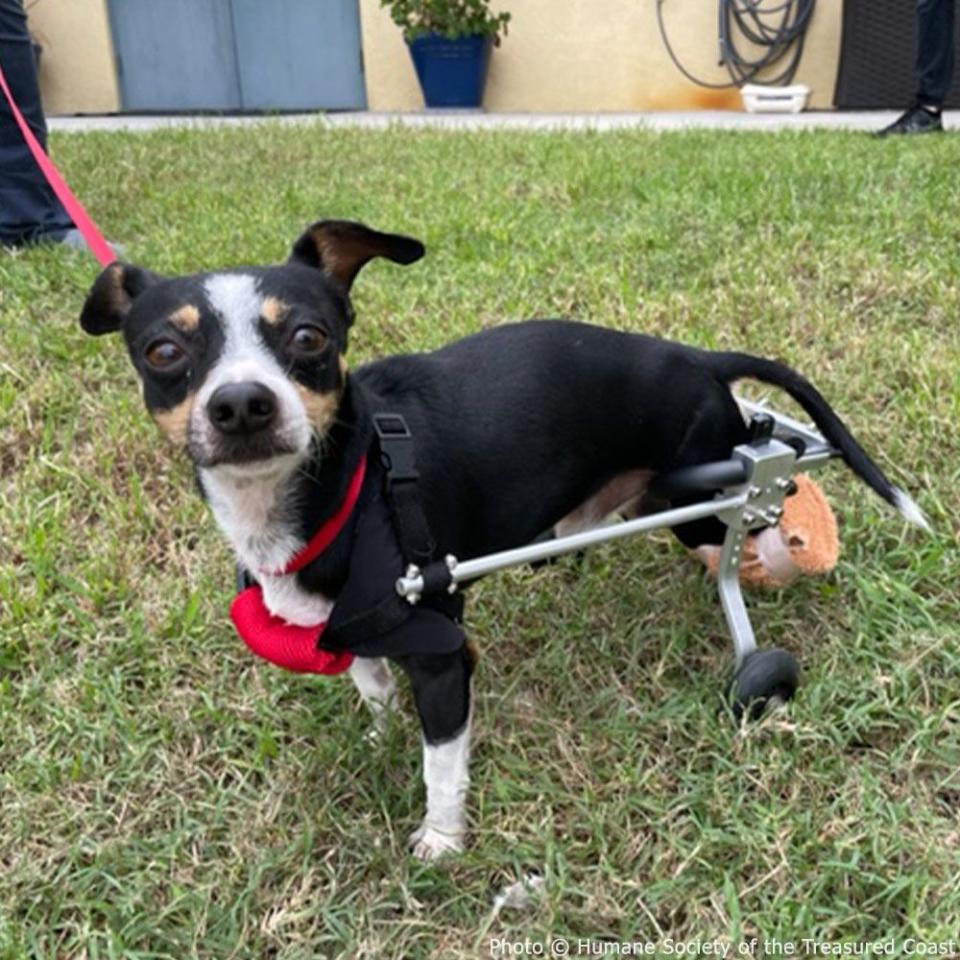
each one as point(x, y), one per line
point(237, 408)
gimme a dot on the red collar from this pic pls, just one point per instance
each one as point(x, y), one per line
point(329, 528)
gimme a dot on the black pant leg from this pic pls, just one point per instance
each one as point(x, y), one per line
point(934, 50)
point(28, 207)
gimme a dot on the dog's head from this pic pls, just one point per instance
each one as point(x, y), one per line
point(243, 367)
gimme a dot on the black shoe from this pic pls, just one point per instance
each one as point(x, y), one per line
point(915, 120)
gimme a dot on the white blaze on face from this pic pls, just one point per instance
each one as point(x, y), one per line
point(237, 301)
point(250, 501)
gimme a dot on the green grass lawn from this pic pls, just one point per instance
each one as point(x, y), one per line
point(163, 795)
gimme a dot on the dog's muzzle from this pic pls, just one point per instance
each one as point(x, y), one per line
point(244, 424)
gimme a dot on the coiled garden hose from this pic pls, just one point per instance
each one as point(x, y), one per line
point(778, 30)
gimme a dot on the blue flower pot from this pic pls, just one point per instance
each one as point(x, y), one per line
point(452, 73)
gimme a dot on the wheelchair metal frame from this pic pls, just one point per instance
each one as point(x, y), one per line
point(754, 484)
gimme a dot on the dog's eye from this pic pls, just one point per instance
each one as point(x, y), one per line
point(163, 354)
point(308, 340)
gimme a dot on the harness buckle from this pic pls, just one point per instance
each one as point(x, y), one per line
point(396, 446)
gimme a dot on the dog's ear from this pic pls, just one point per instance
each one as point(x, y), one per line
point(112, 296)
point(340, 248)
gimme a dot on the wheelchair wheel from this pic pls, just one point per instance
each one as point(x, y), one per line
point(765, 678)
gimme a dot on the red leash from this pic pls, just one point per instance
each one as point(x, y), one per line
point(94, 238)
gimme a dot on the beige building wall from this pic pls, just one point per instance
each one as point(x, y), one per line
point(584, 55)
point(77, 72)
point(560, 55)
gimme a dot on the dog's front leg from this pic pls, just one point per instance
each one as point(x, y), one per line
point(441, 689)
point(377, 687)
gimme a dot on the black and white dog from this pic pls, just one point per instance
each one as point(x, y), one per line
point(517, 430)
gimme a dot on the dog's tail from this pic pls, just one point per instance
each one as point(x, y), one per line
point(732, 366)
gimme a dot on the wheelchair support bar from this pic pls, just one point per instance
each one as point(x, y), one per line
point(411, 586)
point(697, 479)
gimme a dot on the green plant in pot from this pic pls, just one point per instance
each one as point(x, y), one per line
point(450, 43)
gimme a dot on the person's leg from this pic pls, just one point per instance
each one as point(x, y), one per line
point(29, 211)
point(934, 51)
point(934, 69)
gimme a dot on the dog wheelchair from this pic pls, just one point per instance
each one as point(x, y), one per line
point(754, 484)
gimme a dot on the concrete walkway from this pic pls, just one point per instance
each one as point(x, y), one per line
point(477, 120)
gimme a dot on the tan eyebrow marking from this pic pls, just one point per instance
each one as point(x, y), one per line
point(187, 318)
point(273, 310)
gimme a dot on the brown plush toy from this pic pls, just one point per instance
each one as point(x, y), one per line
point(805, 542)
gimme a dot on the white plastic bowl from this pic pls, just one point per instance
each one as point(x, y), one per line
point(760, 99)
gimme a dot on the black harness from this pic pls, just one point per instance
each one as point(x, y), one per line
point(370, 618)
point(391, 535)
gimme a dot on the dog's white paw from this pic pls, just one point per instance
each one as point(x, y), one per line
point(427, 843)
